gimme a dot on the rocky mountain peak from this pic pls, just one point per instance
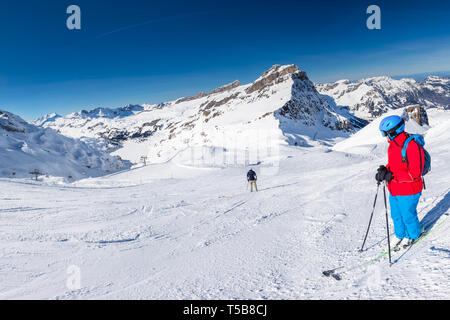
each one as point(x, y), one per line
point(280, 70)
point(190, 98)
point(274, 75)
point(226, 87)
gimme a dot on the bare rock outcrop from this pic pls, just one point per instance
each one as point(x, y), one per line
point(226, 87)
point(418, 113)
point(200, 95)
point(276, 75)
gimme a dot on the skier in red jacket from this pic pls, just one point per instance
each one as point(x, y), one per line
point(404, 180)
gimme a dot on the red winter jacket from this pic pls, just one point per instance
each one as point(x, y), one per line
point(407, 176)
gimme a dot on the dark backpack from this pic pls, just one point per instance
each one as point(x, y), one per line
point(420, 142)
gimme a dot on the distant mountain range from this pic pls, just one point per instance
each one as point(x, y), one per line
point(371, 97)
point(423, 76)
point(282, 101)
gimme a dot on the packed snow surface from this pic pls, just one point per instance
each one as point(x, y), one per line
point(176, 231)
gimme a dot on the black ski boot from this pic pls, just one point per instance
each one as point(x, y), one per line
point(399, 244)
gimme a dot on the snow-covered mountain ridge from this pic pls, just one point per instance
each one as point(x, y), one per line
point(369, 98)
point(283, 101)
point(26, 147)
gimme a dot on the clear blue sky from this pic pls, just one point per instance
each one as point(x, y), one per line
point(138, 51)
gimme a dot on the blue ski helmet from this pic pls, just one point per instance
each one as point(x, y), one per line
point(392, 126)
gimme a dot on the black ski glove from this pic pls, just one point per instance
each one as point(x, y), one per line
point(381, 174)
point(389, 176)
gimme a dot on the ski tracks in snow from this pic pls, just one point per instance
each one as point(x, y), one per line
point(421, 262)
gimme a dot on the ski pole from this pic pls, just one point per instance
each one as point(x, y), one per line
point(387, 224)
point(371, 216)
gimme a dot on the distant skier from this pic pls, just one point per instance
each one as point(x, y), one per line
point(251, 178)
point(404, 179)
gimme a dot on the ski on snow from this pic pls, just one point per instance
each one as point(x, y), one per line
point(402, 251)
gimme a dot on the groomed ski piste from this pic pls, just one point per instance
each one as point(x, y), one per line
point(174, 231)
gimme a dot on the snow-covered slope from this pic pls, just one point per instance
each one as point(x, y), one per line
point(371, 97)
point(166, 231)
point(25, 147)
point(370, 141)
point(282, 103)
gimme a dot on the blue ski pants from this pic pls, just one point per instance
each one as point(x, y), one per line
point(404, 215)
